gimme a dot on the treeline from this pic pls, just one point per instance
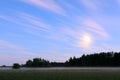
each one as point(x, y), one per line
point(97, 59)
point(39, 62)
point(91, 60)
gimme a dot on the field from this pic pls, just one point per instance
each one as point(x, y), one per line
point(61, 74)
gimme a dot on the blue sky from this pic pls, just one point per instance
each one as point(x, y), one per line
point(57, 29)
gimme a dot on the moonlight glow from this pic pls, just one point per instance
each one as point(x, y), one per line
point(86, 41)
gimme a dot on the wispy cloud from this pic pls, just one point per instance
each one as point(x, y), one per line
point(91, 32)
point(91, 4)
point(84, 35)
point(36, 23)
point(5, 44)
point(69, 6)
point(66, 34)
point(50, 5)
point(104, 47)
point(8, 59)
point(95, 27)
point(10, 46)
point(29, 23)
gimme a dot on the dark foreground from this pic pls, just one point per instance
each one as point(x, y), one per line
point(61, 74)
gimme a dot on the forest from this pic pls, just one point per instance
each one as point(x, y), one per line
point(103, 59)
point(96, 59)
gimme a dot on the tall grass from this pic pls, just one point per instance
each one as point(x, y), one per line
point(59, 75)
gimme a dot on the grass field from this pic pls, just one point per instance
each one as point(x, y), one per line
point(91, 74)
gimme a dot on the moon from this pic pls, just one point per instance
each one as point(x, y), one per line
point(86, 40)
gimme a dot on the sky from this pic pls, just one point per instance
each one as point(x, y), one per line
point(57, 29)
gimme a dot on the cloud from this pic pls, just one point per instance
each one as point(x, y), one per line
point(69, 6)
point(30, 24)
point(50, 5)
point(90, 32)
point(95, 27)
point(65, 34)
point(99, 35)
point(104, 47)
point(5, 45)
point(7, 59)
point(91, 4)
point(36, 23)
point(9, 19)
point(84, 35)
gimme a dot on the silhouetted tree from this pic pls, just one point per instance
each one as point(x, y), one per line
point(57, 64)
point(97, 59)
point(16, 66)
point(37, 62)
point(3, 66)
point(29, 63)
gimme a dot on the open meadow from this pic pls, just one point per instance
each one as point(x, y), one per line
point(61, 74)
